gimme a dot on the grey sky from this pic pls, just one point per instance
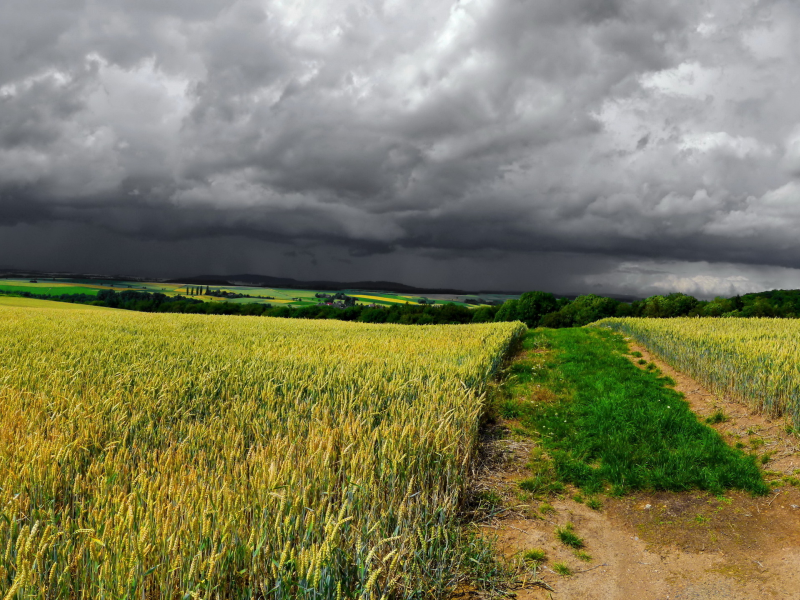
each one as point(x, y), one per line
point(571, 145)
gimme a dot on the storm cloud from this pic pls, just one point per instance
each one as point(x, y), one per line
point(616, 145)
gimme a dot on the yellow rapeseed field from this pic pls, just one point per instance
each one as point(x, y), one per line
point(381, 298)
point(149, 456)
point(756, 361)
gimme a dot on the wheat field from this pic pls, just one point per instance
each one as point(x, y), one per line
point(756, 361)
point(181, 456)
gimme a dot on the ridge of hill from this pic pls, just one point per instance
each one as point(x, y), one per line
point(288, 282)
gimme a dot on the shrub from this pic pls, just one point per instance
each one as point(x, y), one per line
point(568, 537)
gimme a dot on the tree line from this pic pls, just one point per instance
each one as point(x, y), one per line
point(541, 309)
point(535, 309)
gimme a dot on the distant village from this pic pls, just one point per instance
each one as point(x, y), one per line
point(337, 300)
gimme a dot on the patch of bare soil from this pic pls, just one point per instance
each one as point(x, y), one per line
point(663, 545)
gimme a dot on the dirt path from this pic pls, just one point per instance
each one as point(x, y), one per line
point(663, 545)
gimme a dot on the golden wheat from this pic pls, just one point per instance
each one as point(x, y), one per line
point(183, 456)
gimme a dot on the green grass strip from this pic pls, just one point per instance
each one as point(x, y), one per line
point(615, 424)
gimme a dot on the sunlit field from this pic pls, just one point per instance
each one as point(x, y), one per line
point(182, 456)
point(34, 303)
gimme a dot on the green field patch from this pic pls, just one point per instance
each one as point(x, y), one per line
point(245, 300)
point(100, 284)
point(49, 290)
point(607, 424)
point(269, 295)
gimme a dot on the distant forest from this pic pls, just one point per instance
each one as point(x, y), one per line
point(535, 309)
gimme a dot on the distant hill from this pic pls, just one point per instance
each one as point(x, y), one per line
point(621, 297)
point(287, 282)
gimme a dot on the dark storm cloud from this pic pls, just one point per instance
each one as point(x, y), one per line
point(624, 129)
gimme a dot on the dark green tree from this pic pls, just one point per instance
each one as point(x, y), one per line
point(533, 306)
point(508, 311)
point(484, 314)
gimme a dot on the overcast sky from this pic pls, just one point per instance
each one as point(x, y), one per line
point(571, 145)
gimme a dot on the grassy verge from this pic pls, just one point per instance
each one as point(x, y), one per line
point(604, 424)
